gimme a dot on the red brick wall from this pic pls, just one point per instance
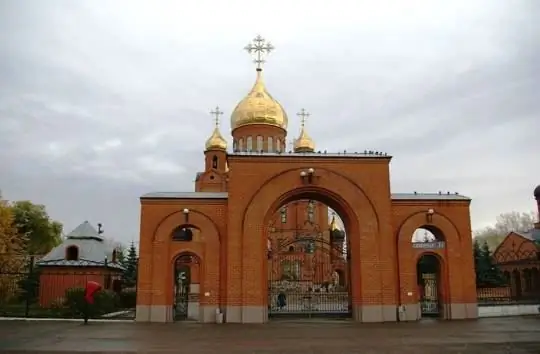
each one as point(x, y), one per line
point(233, 238)
point(54, 281)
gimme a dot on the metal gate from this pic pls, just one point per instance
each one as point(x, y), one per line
point(308, 276)
point(182, 281)
point(429, 301)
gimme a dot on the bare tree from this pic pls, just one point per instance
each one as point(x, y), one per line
point(506, 223)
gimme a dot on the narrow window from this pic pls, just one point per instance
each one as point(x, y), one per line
point(72, 253)
point(235, 145)
point(311, 210)
point(278, 145)
point(249, 144)
point(241, 144)
point(270, 144)
point(259, 143)
point(214, 162)
point(283, 215)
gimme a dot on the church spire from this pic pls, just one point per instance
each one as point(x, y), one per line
point(216, 140)
point(304, 143)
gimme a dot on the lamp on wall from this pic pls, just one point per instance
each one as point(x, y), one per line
point(429, 215)
point(99, 228)
point(307, 176)
point(186, 214)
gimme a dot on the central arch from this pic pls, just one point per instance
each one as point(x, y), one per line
point(337, 192)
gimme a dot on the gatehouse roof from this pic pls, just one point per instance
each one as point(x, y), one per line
point(93, 251)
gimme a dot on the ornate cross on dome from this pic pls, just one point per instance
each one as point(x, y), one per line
point(216, 115)
point(303, 116)
point(259, 47)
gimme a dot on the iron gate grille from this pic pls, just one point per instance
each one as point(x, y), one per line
point(308, 277)
point(182, 281)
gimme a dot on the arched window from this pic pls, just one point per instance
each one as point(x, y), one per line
point(182, 233)
point(249, 144)
point(72, 253)
point(270, 144)
point(214, 162)
point(259, 143)
point(278, 145)
point(241, 144)
point(235, 145)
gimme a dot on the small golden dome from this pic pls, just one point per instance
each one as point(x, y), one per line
point(258, 107)
point(304, 143)
point(216, 141)
point(333, 224)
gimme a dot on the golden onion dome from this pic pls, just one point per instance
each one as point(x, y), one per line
point(304, 143)
point(259, 107)
point(333, 224)
point(216, 141)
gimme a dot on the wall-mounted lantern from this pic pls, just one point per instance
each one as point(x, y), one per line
point(186, 215)
point(307, 176)
point(429, 215)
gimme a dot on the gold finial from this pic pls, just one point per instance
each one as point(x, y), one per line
point(333, 224)
point(216, 115)
point(259, 47)
point(216, 140)
point(304, 143)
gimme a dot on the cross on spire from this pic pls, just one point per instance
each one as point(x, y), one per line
point(259, 47)
point(303, 116)
point(216, 113)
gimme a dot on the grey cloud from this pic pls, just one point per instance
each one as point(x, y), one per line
point(99, 104)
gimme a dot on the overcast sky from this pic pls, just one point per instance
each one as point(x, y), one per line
point(102, 101)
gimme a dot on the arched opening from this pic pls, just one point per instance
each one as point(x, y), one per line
point(308, 265)
point(183, 233)
point(215, 162)
point(428, 234)
point(428, 279)
point(114, 256)
point(186, 285)
point(72, 253)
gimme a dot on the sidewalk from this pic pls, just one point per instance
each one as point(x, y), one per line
point(493, 335)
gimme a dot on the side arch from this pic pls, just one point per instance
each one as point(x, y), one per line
point(408, 257)
point(339, 193)
point(207, 249)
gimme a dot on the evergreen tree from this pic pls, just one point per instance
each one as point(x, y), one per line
point(130, 264)
point(488, 273)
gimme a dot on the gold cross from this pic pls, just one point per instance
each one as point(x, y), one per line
point(259, 47)
point(216, 114)
point(303, 116)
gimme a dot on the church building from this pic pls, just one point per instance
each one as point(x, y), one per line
point(272, 231)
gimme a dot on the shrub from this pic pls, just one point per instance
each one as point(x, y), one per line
point(128, 299)
point(104, 302)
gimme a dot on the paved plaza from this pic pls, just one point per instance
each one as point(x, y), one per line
point(493, 335)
